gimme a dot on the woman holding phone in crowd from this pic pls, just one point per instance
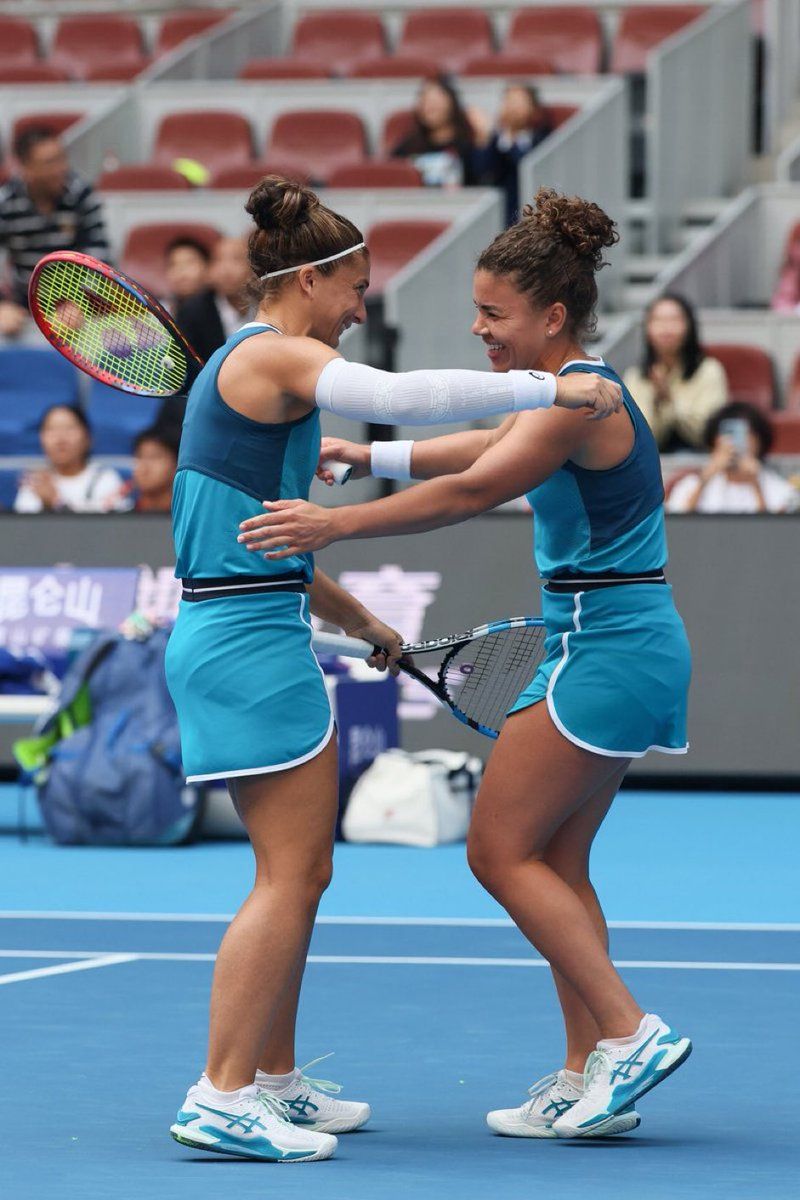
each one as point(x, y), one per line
point(615, 679)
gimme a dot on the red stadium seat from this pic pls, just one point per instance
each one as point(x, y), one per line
point(508, 65)
point(145, 247)
point(317, 142)
point(245, 178)
point(559, 113)
point(214, 138)
point(18, 42)
point(397, 172)
point(340, 38)
point(396, 66)
point(84, 42)
point(138, 177)
point(452, 36)
point(749, 371)
point(793, 394)
point(57, 121)
point(284, 68)
point(641, 29)
point(396, 126)
point(39, 72)
point(392, 244)
point(570, 38)
point(786, 428)
point(113, 72)
point(177, 27)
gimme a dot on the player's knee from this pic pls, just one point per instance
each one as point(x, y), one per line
point(318, 878)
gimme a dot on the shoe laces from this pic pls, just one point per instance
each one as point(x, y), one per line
point(319, 1085)
point(597, 1062)
point(538, 1089)
point(278, 1108)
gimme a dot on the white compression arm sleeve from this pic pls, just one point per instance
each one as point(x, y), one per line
point(428, 397)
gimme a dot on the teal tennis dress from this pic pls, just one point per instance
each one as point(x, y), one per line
point(617, 667)
point(247, 687)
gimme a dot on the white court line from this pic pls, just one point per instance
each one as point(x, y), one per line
point(447, 922)
point(85, 964)
point(101, 958)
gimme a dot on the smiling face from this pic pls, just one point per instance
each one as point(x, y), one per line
point(515, 334)
point(337, 300)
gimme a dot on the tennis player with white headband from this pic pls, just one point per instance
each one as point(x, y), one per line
point(249, 693)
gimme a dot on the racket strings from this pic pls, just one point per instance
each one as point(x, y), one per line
point(110, 329)
point(485, 677)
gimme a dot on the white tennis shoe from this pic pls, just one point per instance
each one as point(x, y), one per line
point(617, 1075)
point(313, 1103)
point(551, 1098)
point(254, 1126)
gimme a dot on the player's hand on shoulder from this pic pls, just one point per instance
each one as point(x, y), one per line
point(289, 527)
point(380, 635)
point(339, 451)
point(579, 389)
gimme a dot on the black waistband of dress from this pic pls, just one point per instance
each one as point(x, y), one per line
point(195, 590)
point(589, 583)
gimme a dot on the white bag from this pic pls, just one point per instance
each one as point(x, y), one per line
point(418, 799)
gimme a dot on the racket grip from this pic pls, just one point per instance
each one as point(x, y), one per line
point(341, 471)
point(337, 643)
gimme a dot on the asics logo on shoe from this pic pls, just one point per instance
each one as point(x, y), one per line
point(558, 1108)
point(302, 1105)
point(248, 1121)
point(625, 1066)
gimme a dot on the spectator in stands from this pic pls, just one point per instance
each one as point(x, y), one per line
point(187, 269)
point(46, 207)
point(442, 143)
point(521, 125)
point(71, 481)
point(734, 480)
point(677, 386)
point(155, 460)
point(786, 297)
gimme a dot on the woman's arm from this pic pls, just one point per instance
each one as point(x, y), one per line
point(538, 445)
point(333, 604)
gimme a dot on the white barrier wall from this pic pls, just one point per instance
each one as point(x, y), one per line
point(788, 165)
point(781, 34)
point(699, 116)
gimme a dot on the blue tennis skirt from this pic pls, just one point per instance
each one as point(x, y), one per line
point(617, 669)
point(249, 692)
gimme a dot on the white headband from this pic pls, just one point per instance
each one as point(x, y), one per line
point(317, 263)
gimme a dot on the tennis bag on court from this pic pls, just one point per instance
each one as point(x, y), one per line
point(112, 773)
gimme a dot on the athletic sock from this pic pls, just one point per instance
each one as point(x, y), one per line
point(223, 1097)
point(628, 1041)
point(275, 1083)
point(574, 1079)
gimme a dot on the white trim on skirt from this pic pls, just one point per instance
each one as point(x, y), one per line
point(559, 724)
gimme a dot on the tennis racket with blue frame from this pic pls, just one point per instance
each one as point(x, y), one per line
point(477, 674)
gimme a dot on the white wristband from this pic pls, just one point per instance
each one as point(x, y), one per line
point(391, 460)
point(533, 389)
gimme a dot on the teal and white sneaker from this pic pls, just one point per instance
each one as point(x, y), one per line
point(312, 1104)
point(617, 1075)
point(254, 1126)
point(550, 1099)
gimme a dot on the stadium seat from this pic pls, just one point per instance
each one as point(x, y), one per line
point(749, 371)
point(141, 177)
point(9, 486)
point(18, 44)
point(793, 391)
point(31, 380)
point(112, 72)
point(116, 417)
point(641, 29)
point(85, 42)
point(39, 72)
point(396, 126)
point(392, 244)
point(145, 246)
point(245, 178)
point(284, 68)
point(216, 139)
point(396, 172)
point(396, 66)
point(559, 113)
point(451, 36)
point(786, 428)
point(317, 142)
point(508, 66)
point(570, 38)
point(340, 38)
point(57, 121)
point(177, 27)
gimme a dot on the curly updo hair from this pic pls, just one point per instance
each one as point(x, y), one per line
point(553, 253)
point(293, 227)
